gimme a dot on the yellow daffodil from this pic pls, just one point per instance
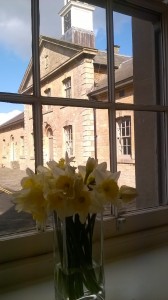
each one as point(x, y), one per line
point(108, 190)
point(85, 171)
point(90, 165)
point(127, 193)
point(106, 187)
point(68, 159)
point(81, 204)
point(64, 183)
point(62, 163)
point(58, 187)
point(31, 198)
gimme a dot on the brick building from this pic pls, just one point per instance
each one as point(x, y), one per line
point(71, 67)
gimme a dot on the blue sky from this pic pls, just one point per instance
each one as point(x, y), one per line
point(15, 42)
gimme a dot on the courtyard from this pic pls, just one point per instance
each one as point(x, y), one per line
point(12, 222)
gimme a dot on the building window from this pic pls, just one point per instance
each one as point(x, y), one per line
point(22, 149)
point(31, 145)
point(49, 145)
point(67, 87)
point(46, 61)
point(124, 135)
point(121, 93)
point(47, 93)
point(4, 148)
point(67, 21)
point(12, 148)
point(68, 139)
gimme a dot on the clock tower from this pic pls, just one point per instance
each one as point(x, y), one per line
point(77, 23)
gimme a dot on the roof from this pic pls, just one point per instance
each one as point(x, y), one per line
point(17, 119)
point(124, 71)
point(101, 58)
point(72, 50)
point(123, 74)
point(60, 42)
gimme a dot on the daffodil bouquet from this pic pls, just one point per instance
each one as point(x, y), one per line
point(74, 196)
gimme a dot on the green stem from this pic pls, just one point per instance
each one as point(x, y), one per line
point(79, 257)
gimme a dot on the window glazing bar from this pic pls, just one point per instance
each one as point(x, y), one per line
point(164, 89)
point(37, 107)
point(111, 86)
point(35, 46)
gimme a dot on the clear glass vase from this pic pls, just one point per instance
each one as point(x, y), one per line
point(78, 259)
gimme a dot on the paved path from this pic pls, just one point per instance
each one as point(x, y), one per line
point(10, 220)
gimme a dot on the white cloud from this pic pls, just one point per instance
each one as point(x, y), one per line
point(4, 117)
point(15, 24)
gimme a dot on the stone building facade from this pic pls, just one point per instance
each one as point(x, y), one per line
point(83, 132)
point(69, 70)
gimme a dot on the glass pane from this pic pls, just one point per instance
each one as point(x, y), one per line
point(139, 157)
point(82, 132)
point(137, 60)
point(149, 153)
point(15, 45)
point(70, 66)
point(16, 154)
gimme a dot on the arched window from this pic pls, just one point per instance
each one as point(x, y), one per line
point(12, 148)
point(22, 150)
point(50, 143)
point(4, 148)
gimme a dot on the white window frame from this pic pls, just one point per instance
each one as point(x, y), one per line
point(47, 93)
point(22, 147)
point(124, 139)
point(68, 137)
point(4, 150)
point(67, 87)
point(144, 225)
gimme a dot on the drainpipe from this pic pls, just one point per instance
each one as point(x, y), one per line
point(95, 130)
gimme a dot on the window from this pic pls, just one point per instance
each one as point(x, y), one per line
point(22, 150)
point(12, 148)
point(67, 87)
point(124, 135)
point(4, 148)
point(46, 61)
point(121, 93)
point(31, 143)
point(67, 21)
point(141, 66)
point(68, 139)
point(47, 93)
point(48, 146)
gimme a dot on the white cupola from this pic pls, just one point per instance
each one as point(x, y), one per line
point(77, 23)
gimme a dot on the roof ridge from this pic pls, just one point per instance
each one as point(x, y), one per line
point(123, 55)
point(127, 60)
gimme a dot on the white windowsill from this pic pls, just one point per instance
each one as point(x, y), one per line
point(26, 273)
point(137, 275)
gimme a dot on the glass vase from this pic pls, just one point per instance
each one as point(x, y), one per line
point(78, 258)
